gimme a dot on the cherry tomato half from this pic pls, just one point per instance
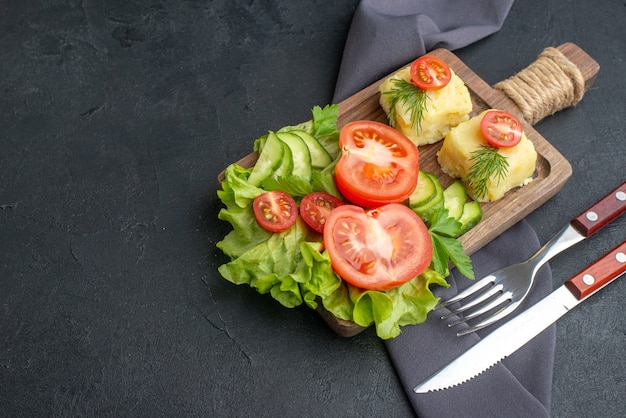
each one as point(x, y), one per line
point(377, 249)
point(430, 73)
point(315, 208)
point(275, 211)
point(500, 129)
point(378, 165)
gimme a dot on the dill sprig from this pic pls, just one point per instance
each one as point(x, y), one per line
point(412, 96)
point(487, 163)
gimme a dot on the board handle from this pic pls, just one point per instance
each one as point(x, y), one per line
point(557, 79)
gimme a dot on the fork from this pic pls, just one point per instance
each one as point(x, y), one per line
point(504, 290)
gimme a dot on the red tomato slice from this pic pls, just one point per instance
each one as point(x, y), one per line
point(315, 208)
point(275, 211)
point(501, 129)
point(377, 249)
point(430, 73)
point(378, 165)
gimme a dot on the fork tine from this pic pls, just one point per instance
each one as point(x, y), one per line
point(494, 290)
point(499, 301)
point(467, 292)
point(488, 321)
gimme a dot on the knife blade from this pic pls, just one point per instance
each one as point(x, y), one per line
point(512, 335)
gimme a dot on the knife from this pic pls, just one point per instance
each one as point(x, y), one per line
point(590, 221)
point(512, 335)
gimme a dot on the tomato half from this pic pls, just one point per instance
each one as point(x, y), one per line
point(378, 165)
point(377, 249)
point(315, 208)
point(275, 211)
point(430, 73)
point(500, 129)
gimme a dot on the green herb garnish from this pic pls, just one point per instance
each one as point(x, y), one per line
point(412, 96)
point(488, 162)
point(447, 248)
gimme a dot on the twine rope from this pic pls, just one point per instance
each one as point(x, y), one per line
point(549, 84)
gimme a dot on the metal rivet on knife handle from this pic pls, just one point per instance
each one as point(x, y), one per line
point(604, 211)
point(596, 275)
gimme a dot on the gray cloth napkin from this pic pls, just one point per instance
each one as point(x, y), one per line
point(384, 36)
point(387, 34)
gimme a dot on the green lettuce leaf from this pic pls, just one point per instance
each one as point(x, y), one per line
point(293, 267)
point(316, 277)
point(293, 185)
point(403, 305)
point(246, 232)
point(268, 265)
point(235, 188)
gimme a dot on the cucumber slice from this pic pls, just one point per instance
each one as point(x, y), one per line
point(268, 160)
point(424, 191)
point(286, 163)
point(454, 198)
point(320, 158)
point(428, 209)
point(300, 154)
point(472, 214)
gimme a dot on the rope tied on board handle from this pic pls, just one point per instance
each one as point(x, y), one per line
point(549, 84)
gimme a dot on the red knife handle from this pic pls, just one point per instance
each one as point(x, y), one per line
point(599, 274)
point(608, 208)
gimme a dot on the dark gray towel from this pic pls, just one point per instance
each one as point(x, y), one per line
point(384, 36)
point(387, 34)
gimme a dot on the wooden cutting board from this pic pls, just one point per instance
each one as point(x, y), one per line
point(552, 169)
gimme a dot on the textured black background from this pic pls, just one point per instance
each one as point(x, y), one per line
point(116, 118)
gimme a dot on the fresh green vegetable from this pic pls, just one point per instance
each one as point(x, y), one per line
point(429, 206)
point(269, 160)
point(285, 168)
point(300, 154)
point(322, 127)
point(472, 214)
point(424, 192)
point(448, 216)
point(292, 266)
point(443, 231)
point(320, 158)
point(488, 162)
point(430, 196)
point(413, 97)
point(454, 197)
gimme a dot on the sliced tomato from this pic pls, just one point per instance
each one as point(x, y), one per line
point(378, 165)
point(315, 208)
point(377, 249)
point(501, 129)
point(430, 73)
point(275, 211)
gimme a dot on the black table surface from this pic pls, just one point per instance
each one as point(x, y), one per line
point(116, 118)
